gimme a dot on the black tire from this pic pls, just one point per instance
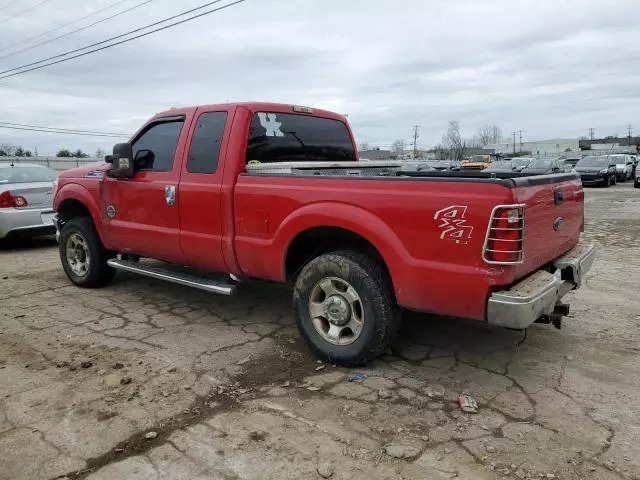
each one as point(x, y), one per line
point(607, 183)
point(636, 184)
point(98, 273)
point(380, 314)
point(614, 181)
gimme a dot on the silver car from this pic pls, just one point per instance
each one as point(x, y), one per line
point(26, 199)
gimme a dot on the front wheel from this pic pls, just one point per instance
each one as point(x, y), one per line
point(345, 307)
point(607, 183)
point(614, 181)
point(83, 256)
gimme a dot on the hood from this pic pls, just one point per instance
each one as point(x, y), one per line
point(84, 170)
point(475, 164)
point(537, 170)
point(589, 169)
point(502, 170)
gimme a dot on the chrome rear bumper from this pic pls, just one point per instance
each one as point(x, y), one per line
point(537, 295)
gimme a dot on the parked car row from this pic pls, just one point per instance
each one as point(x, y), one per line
point(607, 170)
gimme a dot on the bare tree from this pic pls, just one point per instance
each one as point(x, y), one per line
point(398, 147)
point(488, 134)
point(452, 141)
point(7, 150)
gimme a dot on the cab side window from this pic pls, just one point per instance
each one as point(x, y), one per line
point(159, 143)
point(205, 145)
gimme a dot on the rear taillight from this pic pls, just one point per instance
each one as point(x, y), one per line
point(7, 200)
point(505, 236)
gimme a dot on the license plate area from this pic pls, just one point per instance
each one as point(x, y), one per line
point(47, 218)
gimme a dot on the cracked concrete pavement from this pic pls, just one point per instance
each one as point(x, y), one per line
point(147, 380)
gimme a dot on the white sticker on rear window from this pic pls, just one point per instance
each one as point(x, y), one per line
point(270, 124)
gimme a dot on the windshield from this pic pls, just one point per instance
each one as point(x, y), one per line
point(520, 162)
point(540, 163)
point(619, 159)
point(500, 165)
point(441, 163)
point(593, 162)
point(20, 174)
point(479, 158)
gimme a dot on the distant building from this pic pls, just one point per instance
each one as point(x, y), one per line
point(554, 146)
point(376, 154)
point(612, 143)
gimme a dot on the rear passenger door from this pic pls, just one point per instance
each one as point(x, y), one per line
point(200, 191)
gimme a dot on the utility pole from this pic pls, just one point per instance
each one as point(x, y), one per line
point(629, 130)
point(514, 142)
point(592, 133)
point(415, 141)
point(520, 132)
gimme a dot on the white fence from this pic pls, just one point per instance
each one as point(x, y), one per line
point(55, 163)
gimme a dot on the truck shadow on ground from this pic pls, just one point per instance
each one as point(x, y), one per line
point(16, 243)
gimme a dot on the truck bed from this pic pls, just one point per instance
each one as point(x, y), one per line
point(401, 216)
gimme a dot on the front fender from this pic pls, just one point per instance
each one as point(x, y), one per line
point(79, 193)
point(347, 217)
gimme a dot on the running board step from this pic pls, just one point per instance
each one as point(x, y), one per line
point(181, 278)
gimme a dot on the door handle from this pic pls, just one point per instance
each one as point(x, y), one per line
point(558, 197)
point(170, 194)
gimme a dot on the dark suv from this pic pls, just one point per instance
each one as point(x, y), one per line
point(599, 170)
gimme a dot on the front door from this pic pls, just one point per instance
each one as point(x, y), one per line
point(141, 213)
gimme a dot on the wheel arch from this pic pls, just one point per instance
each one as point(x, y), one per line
point(74, 201)
point(320, 228)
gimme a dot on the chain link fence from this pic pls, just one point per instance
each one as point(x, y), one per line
point(55, 163)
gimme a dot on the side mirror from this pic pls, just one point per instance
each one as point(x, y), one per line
point(123, 165)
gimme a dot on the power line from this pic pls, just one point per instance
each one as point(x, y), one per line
point(63, 133)
point(26, 10)
point(79, 95)
point(2, 74)
point(28, 39)
point(76, 30)
point(59, 130)
point(56, 128)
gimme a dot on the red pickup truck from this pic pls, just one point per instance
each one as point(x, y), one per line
point(212, 188)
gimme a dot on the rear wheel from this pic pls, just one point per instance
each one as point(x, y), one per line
point(345, 307)
point(83, 256)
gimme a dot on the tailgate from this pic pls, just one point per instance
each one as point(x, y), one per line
point(554, 218)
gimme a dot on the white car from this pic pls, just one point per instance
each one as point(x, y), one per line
point(26, 199)
point(624, 166)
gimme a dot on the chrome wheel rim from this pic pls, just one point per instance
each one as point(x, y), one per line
point(78, 256)
point(336, 311)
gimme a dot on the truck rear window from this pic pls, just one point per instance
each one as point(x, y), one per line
point(284, 137)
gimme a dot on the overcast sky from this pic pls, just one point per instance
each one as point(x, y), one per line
point(553, 68)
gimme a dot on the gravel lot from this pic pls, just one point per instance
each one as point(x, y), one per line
point(146, 380)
